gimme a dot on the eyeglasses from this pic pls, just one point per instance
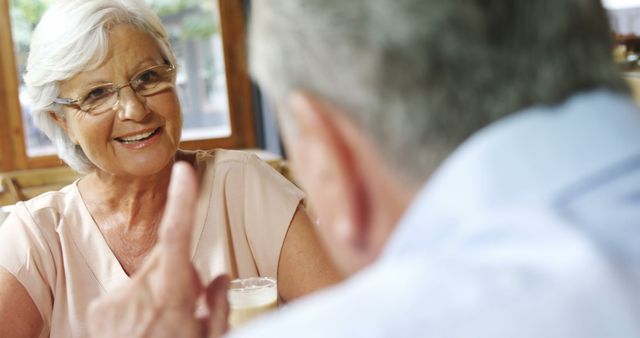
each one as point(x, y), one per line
point(100, 99)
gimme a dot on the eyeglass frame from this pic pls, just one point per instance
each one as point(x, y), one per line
point(115, 88)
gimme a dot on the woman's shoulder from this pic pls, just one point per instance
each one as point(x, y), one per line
point(219, 158)
point(239, 168)
point(45, 211)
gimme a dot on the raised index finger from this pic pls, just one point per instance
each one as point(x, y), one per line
point(177, 221)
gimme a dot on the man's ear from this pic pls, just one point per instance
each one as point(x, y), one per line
point(323, 157)
point(61, 121)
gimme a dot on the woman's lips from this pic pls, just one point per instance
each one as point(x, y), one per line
point(140, 140)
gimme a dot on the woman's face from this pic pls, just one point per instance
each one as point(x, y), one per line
point(140, 135)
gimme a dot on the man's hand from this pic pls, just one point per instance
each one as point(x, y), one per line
point(160, 299)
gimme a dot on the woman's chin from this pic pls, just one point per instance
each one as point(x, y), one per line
point(149, 168)
point(147, 162)
point(140, 166)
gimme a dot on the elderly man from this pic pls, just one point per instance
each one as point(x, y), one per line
point(475, 167)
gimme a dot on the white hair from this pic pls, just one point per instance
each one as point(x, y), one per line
point(73, 36)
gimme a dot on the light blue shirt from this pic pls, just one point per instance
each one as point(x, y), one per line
point(530, 229)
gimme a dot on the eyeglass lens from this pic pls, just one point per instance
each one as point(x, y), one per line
point(148, 82)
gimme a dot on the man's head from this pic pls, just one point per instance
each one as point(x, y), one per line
point(374, 94)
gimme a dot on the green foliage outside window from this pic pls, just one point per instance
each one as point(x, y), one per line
point(195, 19)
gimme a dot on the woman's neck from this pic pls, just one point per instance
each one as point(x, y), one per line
point(126, 201)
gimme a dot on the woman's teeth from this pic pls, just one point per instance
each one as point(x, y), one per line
point(136, 138)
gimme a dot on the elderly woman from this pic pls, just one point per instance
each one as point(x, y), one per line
point(102, 74)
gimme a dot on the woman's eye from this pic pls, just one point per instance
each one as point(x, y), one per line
point(96, 94)
point(148, 76)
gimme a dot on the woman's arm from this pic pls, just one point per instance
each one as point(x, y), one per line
point(19, 316)
point(304, 265)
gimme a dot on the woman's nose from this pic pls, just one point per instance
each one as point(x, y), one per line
point(131, 105)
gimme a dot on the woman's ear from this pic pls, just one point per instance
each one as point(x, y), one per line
point(61, 121)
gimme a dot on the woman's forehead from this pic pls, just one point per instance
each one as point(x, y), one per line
point(129, 51)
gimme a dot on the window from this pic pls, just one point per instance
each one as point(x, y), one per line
point(208, 38)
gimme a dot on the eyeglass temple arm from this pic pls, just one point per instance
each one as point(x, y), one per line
point(64, 101)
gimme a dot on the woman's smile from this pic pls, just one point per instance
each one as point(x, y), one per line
point(141, 139)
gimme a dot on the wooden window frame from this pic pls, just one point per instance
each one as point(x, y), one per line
point(13, 155)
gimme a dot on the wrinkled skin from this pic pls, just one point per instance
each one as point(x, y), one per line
point(160, 301)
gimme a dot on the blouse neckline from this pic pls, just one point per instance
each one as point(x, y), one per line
point(98, 254)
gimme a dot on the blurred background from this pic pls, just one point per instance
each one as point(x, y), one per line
point(624, 17)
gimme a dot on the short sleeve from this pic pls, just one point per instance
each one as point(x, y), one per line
point(270, 204)
point(25, 253)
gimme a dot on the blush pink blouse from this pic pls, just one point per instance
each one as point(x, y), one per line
point(52, 245)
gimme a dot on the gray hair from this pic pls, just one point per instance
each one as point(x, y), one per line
point(420, 76)
point(73, 36)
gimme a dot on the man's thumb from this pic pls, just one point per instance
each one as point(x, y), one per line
point(218, 306)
